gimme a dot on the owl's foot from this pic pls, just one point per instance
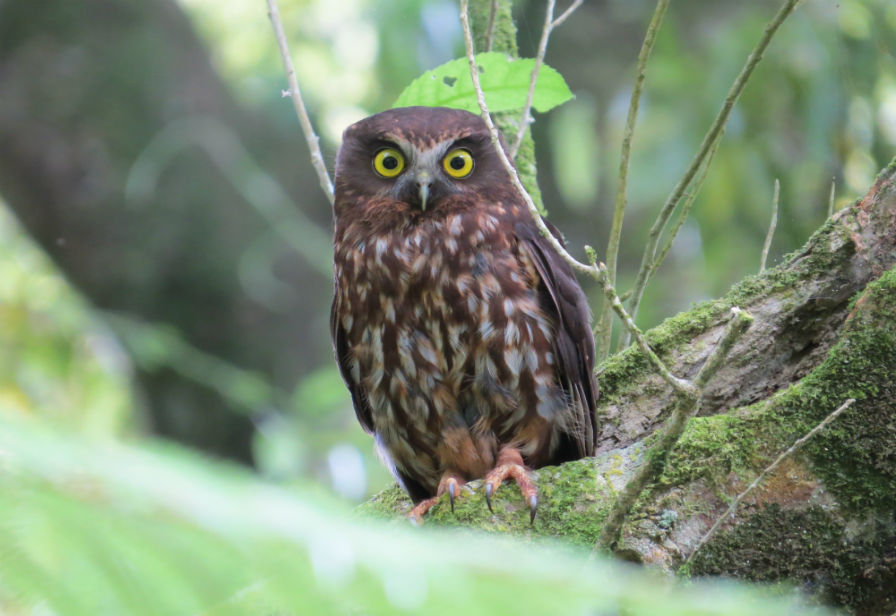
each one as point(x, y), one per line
point(450, 483)
point(510, 464)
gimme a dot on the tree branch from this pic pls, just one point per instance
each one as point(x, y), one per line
point(317, 159)
point(689, 198)
point(655, 459)
point(771, 467)
point(569, 11)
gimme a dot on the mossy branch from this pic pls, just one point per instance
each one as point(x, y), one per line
point(687, 405)
point(765, 473)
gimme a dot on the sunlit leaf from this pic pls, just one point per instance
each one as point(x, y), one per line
point(505, 83)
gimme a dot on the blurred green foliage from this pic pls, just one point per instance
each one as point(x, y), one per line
point(57, 360)
point(93, 527)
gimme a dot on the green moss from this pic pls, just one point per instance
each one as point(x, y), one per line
point(844, 554)
point(712, 448)
point(567, 510)
point(386, 504)
point(618, 372)
point(504, 38)
point(856, 455)
point(809, 547)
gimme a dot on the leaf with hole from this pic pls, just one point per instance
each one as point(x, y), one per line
point(505, 83)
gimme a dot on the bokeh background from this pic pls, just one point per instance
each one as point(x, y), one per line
point(165, 248)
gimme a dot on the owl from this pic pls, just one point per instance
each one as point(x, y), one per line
point(462, 336)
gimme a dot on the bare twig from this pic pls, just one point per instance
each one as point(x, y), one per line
point(712, 136)
point(771, 227)
point(689, 198)
point(605, 323)
point(317, 159)
point(589, 270)
point(771, 467)
point(526, 117)
point(565, 15)
point(655, 458)
point(831, 197)
point(549, 24)
point(740, 321)
point(490, 29)
point(681, 386)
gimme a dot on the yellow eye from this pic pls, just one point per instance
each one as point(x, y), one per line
point(388, 162)
point(458, 163)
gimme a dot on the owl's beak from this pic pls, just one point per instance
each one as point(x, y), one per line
point(423, 182)
point(420, 188)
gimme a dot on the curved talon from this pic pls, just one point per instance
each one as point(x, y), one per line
point(452, 488)
point(510, 466)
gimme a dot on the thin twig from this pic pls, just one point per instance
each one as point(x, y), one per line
point(565, 15)
point(526, 117)
point(655, 458)
point(714, 133)
point(502, 155)
point(736, 502)
point(596, 270)
point(681, 386)
point(740, 321)
point(605, 323)
point(771, 227)
point(490, 29)
point(831, 197)
point(317, 159)
point(689, 198)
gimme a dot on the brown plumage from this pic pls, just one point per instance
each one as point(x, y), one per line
point(463, 338)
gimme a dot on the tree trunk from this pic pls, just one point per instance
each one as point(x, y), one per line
point(85, 88)
point(824, 332)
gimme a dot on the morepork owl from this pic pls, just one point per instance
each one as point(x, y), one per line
point(463, 338)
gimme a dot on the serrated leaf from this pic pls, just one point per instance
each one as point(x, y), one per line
point(505, 83)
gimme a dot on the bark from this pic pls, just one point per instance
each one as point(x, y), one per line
point(86, 86)
point(824, 331)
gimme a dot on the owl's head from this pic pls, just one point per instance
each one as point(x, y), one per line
point(415, 159)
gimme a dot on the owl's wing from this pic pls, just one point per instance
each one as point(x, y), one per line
point(340, 348)
point(563, 299)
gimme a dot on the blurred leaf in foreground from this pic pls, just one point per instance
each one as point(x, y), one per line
point(91, 527)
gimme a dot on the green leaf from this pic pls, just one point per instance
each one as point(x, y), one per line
point(505, 83)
